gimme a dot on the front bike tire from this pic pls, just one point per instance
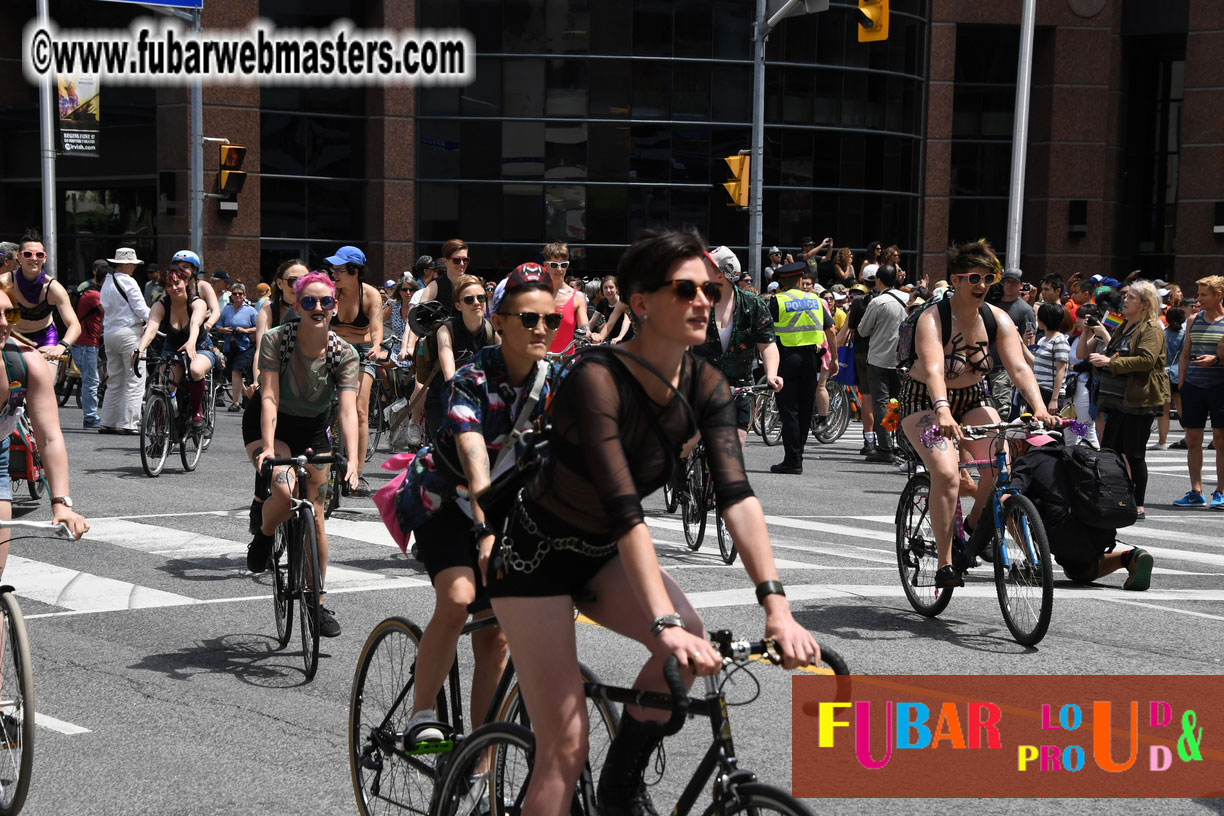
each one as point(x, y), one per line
point(191, 446)
point(726, 547)
point(693, 505)
point(155, 429)
point(282, 596)
point(771, 420)
point(917, 554)
point(377, 422)
point(309, 584)
point(838, 419)
point(1024, 572)
point(385, 779)
point(507, 751)
point(754, 798)
point(16, 760)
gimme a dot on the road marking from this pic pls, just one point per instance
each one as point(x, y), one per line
point(371, 532)
point(62, 726)
point(81, 591)
point(155, 539)
point(1165, 608)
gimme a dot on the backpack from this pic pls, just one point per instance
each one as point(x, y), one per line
point(907, 351)
point(1102, 494)
point(288, 342)
point(425, 357)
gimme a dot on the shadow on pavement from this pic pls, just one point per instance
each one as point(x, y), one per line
point(215, 568)
point(254, 659)
point(881, 623)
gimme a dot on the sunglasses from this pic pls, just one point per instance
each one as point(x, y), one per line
point(974, 278)
point(35, 254)
point(292, 281)
point(309, 302)
point(460, 261)
point(336, 270)
point(687, 289)
point(558, 264)
point(470, 300)
point(12, 315)
point(532, 319)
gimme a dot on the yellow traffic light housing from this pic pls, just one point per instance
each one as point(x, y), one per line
point(231, 175)
point(738, 187)
point(873, 20)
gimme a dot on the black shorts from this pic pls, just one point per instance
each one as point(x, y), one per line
point(863, 369)
point(1198, 403)
point(743, 410)
point(560, 572)
point(299, 433)
point(445, 541)
point(1079, 549)
point(240, 361)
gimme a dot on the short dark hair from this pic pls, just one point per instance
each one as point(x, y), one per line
point(1084, 286)
point(31, 236)
point(645, 264)
point(1110, 301)
point(963, 258)
point(1175, 316)
point(1051, 315)
point(1053, 281)
point(887, 275)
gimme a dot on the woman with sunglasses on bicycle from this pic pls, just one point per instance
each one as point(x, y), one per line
point(458, 341)
point(37, 296)
point(620, 421)
point(182, 317)
point(483, 399)
point(569, 302)
point(358, 320)
point(302, 364)
point(944, 388)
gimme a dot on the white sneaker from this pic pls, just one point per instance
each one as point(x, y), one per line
point(427, 734)
point(1159, 446)
point(415, 434)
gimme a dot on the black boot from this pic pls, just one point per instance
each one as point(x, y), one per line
point(621, 791)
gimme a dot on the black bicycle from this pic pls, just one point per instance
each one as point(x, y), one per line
point(391, 775)
point(295, 563)
point(165, 420)
point(490, 770)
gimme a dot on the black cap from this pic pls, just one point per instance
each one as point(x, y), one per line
point(221, 274)
point(808, 240)
point(794, 268)
point(100, 263)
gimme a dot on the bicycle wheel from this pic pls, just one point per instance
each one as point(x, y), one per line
point(839, 414)
point(155, 429)
point(671, 501)
point(282, 598)
point(489, 772)
point(385, 779)
point(1024, 572)
point(334, 477)
point(378, 422)
point(190, 447)
point(210, 414)
point(693, 505)
point(754, 798)
point(726, 547)
point(771, 420)
point(16, 708)
point(917, 555)
point(63, 385)
point(309, 584)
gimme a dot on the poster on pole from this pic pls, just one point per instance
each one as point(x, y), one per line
point(79, 114)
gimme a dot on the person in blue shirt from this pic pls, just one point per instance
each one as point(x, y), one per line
point(237, 328)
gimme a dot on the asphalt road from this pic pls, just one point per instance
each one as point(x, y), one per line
point(160, 688)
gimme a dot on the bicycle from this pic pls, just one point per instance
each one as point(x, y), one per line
point(838, 419)
point(294, 563)
point(768, 420)
point(1023, 566)
point(388, 400)
point(507, 749)
point(67, 380)
point(165, 421)
point(25, 463)
point(17, 674)
point(384, 769)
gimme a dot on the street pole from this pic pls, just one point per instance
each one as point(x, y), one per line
point(1024, 77)
point(756, 167)
point(196, 155)
point(46, 136)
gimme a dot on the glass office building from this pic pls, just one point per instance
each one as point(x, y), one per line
point(591, 119)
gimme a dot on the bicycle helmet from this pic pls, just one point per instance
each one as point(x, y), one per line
point(188, 256)
point(425, 316)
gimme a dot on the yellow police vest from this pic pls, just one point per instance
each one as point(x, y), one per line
point(800, 318)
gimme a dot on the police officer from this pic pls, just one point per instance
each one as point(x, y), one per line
point(800, 323)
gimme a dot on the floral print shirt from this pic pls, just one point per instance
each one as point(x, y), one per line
point(750, 324)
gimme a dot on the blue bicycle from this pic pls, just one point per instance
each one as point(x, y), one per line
point(1023, 567)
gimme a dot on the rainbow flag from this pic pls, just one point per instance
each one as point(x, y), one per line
point(1111, 321)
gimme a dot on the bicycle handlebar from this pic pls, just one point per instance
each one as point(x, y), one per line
point(1028, 428)
point(741, 650)
point(679, 693)
point(309, 457)
point(59, 529)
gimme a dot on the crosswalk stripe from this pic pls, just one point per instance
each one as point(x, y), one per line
point(55, 724)
point(81, 591)
point(807, 592)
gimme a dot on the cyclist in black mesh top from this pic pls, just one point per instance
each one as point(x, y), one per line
point(619, 423)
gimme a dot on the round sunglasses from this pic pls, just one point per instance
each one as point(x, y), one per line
point(309, 302)
point(687, 289)
point(532, 319)
point(460, 261)
point(974, 278)
point(471, 300)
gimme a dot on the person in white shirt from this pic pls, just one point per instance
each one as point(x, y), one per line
point(124, 313)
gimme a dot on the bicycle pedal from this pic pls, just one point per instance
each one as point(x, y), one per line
point(431, 747)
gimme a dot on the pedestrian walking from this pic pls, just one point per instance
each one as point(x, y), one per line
point(881, 323)
point(237, 327)
point(85, 349)
point(124, 313)
point(1201, 386)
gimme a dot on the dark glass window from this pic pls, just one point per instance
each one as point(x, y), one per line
point(523, 211)
point(652, 27)
point(652, 84)
point(691, 154)
point(438, 211)
point(609, 152)
point(607, 213)
point(611, 27)
point(651, 154)
point(611, 88)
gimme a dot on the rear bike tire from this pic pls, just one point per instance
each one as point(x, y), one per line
point(282, 595)
point(754, 798)
point(155, 429)
point(771, 420)
point(917, 554)
point(191, 446)
point(377, 422)
point(693, 504)
point(839, 414)
point(670, 501)
point(1024, 572)
point(16, 761)
point(726, 547)
point(508, 750)
point(309, 600)
point(210, 414)
point(380, 705)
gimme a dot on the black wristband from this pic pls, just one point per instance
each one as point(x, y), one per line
point(481, 530)
point(769, 588)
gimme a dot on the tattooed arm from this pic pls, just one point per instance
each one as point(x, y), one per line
point(474, 459)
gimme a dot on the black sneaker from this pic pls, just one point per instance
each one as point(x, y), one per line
point(948, 578)
point(786, 467)
point(979, 539)
point(259, 551)
point(10, 731)
point(328, 625)
point(882, 455)
point(867, 449)
point(256, 519)
point(362, 490)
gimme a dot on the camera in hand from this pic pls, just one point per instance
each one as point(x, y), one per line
point(1093, 321)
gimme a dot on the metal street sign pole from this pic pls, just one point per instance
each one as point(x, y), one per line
point(757, 155)
point(46, 136)
point(1024, 77)
point(196, 155)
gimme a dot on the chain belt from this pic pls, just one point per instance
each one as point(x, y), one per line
point(544, 543)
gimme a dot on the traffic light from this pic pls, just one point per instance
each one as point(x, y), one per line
point(740, 165)
point(231, 176)
point(873, 20)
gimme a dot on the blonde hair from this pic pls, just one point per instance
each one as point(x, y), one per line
point(1148, 296)
point(1213, 282)
point(843, 257)
point(463, 283)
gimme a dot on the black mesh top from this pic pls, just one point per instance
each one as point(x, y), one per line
point(611, 444)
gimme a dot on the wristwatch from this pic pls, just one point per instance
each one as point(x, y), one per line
point(64, 500)
point(665, 621)
point(481, 530)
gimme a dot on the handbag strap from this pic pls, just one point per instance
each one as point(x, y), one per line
point(532, 399)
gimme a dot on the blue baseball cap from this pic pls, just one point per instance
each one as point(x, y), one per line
point(347, 255)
